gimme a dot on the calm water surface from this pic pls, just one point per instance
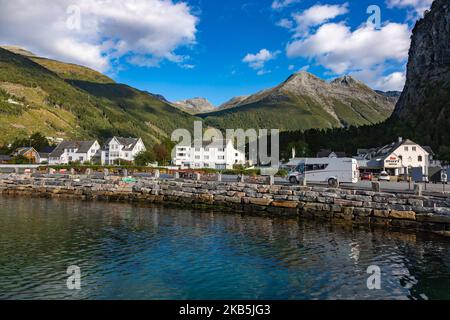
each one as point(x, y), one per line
point(128, 252)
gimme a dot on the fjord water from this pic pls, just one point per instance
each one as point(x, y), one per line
point(135, 252)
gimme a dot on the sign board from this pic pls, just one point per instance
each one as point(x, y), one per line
point(392, 162)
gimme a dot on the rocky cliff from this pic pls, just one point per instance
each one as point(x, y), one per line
point(425, 101)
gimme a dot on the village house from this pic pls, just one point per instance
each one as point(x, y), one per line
point(397, 158)
point(326, 153)
point(75, 151)
point(119, 149)
point(44, 157)
point(29, 153)
point(218, 154)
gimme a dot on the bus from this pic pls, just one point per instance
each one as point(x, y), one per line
point(329, 170)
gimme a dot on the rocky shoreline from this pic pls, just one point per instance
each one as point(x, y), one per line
point(429, 213)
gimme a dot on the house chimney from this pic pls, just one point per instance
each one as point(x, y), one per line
point(400, 139)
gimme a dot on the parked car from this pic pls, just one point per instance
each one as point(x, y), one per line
point(384, 176)
point(367, 176)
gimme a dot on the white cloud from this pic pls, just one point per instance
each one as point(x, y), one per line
point(263, 72)
point(304, 68)
point(419, 6)
point(341, 50)
point(146, 32)
point(281, 4)
point(188, 66)
point(257, 61)
point(317, 15)
point(375, 79)
point(394, 81)
point(285, 23)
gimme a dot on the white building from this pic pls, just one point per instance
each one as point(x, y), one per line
point(121, 149)
point(396, 158)
point(218, 154)
point(74, 151)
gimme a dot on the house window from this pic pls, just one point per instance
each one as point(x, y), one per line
point(207, 149)
point(197, 157)
point(221, 149)
point(414, 148)
point(197, 149)
point(206, 157)
point(420, 159)
point(237, 155)
point(221, 157)
point(406, 148)
point(400, 157)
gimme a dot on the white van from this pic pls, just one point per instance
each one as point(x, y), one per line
point(330, 170)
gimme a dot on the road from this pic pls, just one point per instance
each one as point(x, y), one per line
point(366, 185)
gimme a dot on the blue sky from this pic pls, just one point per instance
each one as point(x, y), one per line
point(219, 49)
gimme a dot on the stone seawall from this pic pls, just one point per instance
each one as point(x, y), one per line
point(356, 206)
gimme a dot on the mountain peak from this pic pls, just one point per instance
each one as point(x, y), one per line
point(195, 105)
point(303, 75)
point(347, 81)
point(302, 79)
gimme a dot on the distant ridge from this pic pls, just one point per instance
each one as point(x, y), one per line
point(304, 101)
point(195, 105)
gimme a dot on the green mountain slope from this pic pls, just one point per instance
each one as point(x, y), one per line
point(69, 101)
point(303, 102)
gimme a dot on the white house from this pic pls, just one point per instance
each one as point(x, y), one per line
point(118, 148)
point(74, 151)
point(396, 158)
point(218, 154)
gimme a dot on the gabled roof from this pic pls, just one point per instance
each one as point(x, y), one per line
point(390, 148)
point(128, 143)
point(21, 151)
point(429, 150)
point(324, 153)
point(82, 146)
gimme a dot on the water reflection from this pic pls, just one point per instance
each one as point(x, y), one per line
point(128, 252)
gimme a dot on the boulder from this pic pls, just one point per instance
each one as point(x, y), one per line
point(285, 204)
point(402, 215)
